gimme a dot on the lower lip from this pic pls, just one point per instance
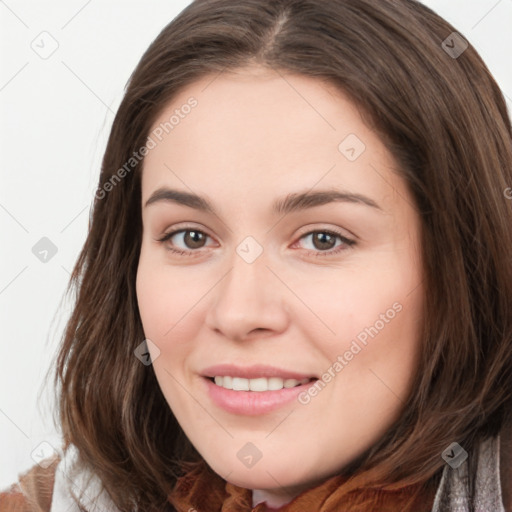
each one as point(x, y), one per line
point(252, 403)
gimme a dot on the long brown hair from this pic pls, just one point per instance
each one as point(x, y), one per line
point(445, 121)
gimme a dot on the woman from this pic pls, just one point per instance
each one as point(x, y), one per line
point(296, 289)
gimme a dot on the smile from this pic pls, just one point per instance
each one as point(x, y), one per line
point(253, 390)
point(259, 385)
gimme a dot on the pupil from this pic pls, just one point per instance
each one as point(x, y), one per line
point(323, 238)
point(194, 239)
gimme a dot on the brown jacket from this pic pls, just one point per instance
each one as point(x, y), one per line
point(33, 491)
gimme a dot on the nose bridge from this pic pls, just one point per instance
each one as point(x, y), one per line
point(249, 296)
point(247, 285)
point(246, 282)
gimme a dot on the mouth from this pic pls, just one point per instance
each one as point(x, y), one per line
point(258, 385)
point(253, 390)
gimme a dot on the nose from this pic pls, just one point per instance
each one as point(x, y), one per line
point(248, 302)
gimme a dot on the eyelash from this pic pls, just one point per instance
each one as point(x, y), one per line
point(347, 243)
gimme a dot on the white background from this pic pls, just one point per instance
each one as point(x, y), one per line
point(55, 115)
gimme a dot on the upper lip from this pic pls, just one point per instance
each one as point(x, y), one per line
point(252, 372)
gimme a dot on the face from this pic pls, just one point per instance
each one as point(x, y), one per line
point(281, 259)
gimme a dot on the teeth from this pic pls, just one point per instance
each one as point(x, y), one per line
point(291, 383)
point(259, 384)
point(240, 384)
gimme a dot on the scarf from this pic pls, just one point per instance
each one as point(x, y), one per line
point(202, 490)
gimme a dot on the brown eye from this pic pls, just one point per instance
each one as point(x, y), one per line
point(325, 243)
point(194, 239)
point(185, 239)
point(323, 240)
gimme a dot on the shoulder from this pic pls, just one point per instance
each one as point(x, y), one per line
point(506, 466)
point(34, 490)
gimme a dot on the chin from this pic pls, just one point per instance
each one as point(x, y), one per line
point(262, 476)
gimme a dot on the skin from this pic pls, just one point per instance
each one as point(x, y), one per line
point(256, 136)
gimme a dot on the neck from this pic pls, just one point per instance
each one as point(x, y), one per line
point(280, 496)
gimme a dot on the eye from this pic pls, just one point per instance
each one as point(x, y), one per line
point(191, 239)
point(321, 242)
point(324, 242)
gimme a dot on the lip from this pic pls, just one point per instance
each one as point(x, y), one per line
point(252, 403)
point(252, 372)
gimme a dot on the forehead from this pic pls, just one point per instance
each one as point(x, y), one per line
point(261, 130)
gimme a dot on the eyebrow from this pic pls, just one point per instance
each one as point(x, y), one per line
point(291, 203)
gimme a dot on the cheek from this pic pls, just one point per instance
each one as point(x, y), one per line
point(383, 294)
point(171, 305)
point(152, 299)
point(165, 299)
point(375, 315)
point(163, 311)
